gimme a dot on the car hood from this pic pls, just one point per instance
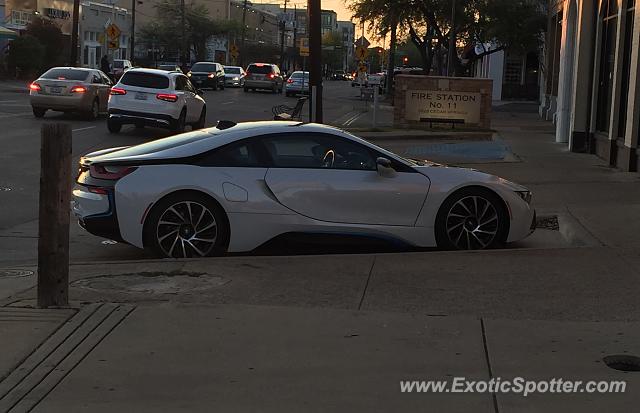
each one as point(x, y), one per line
point(457, 175)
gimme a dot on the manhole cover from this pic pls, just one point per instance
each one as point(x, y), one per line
point(623, 362)
point(16, 273)
point(109, 242)
point(151, 283)
point(549, 222)
point(4, 189)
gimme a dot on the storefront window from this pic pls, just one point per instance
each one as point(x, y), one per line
point(626, 68)
point(607, 63)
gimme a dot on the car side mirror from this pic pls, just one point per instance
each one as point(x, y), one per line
point(385, 167)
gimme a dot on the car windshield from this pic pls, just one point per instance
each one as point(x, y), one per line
point(203, 67)
point(146, 80)
point(118, 64)
point(232, 70)
point(66, 74)
point(260, 69)
point(298, 75)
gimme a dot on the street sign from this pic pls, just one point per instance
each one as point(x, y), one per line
point(362, 41)
point(234, 51)
point(304, 46)
point(113, 31)
point(362, 67)
point(113, 44)
point(362, 52)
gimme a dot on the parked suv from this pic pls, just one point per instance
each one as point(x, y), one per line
point(151, 97)
point(207, 75)
point(263, 76)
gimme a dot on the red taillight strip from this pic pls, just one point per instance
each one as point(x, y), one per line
point(117, 91)
point(78, 89)
point(100, 172)
point(35, 87)
point(168, 97)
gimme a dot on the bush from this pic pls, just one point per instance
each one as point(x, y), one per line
point(26, 56)
point(50, 36)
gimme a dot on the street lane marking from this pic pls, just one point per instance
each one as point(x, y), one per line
point(227, 103)
point(353, 118)
point(2, 102)
point(79, 129)
point(13, 115)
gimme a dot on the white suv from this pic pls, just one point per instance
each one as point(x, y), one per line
point(150, 97)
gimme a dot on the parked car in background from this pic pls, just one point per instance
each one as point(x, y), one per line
point(297, 83)
point(119, 67)
point(263, 76)
point(377, 79)
point(234, 76)
point(70, 89)
point(207, 75)
point(169, 67)
point(151, 97)
point(339, 75)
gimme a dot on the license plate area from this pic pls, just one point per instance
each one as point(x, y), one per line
point(141, 96)
point(55, 90)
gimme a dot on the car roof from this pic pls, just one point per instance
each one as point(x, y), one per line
point(84, 69)
point(203, 140)
point(151, 71)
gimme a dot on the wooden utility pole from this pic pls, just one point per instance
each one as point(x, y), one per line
point(315, 60)
point(452, 41)
point(132, 54)
point(53, 227)
point(391, 64)
point(244, 33)
point(73, 58)
point(183, 38)
point(283, 27)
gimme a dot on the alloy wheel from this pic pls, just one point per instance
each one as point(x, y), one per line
point(472, 223)
point(187, 229)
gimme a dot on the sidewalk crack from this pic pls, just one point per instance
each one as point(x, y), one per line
point(366, 286)
point(488, 359)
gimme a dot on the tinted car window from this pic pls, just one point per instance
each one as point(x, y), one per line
point(239, 154)
point(318, 150)
point(260, 69)
point(163, 144)
point(298, 75)
point(232, 70)
point(66, 74)
point(147, 80)
point(204, 67)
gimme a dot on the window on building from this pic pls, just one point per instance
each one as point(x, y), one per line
point(626, 68)
point(607, 63)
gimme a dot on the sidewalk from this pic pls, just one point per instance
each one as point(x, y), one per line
point(338, 333)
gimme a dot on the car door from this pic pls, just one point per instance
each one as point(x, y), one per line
point(334, 179)
point(193, 103)
point(102, 84)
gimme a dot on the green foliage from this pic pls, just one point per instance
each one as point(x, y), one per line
point(165, 31)
point(507, 24)
point(50, 36)
point(26, 56)
point(333, 51)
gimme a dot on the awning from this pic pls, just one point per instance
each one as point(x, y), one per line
point(7, 33)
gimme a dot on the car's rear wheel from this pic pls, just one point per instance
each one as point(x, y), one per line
point(113, 125)
point(186, 225)
point(94, 112)
point(472, 218)
point(274, 89)
point(38, 112)
point(246, 89)
point(201, 120)
point(180, 123)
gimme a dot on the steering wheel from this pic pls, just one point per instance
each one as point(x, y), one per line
point(328, 159)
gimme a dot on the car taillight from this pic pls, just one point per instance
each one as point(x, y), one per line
point(290, 81)
point(78, 89)
point(247, 74)
point(211, 75)
point(111, 173)
point(35, 87)
point(167, 97)
point(271, 76)
point(98, 190)
point(117, 91)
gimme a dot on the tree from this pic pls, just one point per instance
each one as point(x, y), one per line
point(50, 36)
point(505, 24)
point(26, 56)
point(164, 31)
point(333, 51)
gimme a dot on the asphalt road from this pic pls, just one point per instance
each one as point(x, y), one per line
point(20, 158)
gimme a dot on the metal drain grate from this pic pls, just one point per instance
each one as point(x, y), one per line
point(548, 222)
point(623, 362)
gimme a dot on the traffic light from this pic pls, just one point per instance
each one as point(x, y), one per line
point(405, 60)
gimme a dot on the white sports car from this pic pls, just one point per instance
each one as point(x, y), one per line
point(236, 186)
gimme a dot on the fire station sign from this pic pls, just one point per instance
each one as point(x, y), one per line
point(427, 105)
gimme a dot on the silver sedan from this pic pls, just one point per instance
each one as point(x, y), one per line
point(70, 89)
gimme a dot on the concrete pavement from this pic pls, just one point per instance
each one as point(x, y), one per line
point(338, 332)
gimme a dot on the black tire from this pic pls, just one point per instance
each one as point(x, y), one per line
point(38, 112)
point(246, 90)
point(274, 89)
point(179, 125)
point(471, 220)
point(153, 232)
point(94, 112)
point(201, 120)
point(113, 126)
point(222, 86)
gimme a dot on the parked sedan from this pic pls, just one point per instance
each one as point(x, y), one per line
point(298, 83)
point(234, 76)
point(236, 186)
point(70, 89)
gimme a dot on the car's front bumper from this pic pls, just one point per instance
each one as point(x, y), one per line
point(233, 83)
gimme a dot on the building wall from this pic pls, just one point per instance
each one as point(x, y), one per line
point(592, 68)
point(348, 30)
point(92, 25)
point(329, 21)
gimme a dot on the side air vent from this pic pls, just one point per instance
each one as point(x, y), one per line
point(225, 124)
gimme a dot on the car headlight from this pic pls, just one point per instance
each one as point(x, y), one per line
point(236, 78)
point(525, 195)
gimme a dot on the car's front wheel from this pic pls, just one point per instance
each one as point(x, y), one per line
point(113, 125)
point(179, 124)
point(472, 218)
point(201, 120)
point(186, 225)
point(39, 112)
